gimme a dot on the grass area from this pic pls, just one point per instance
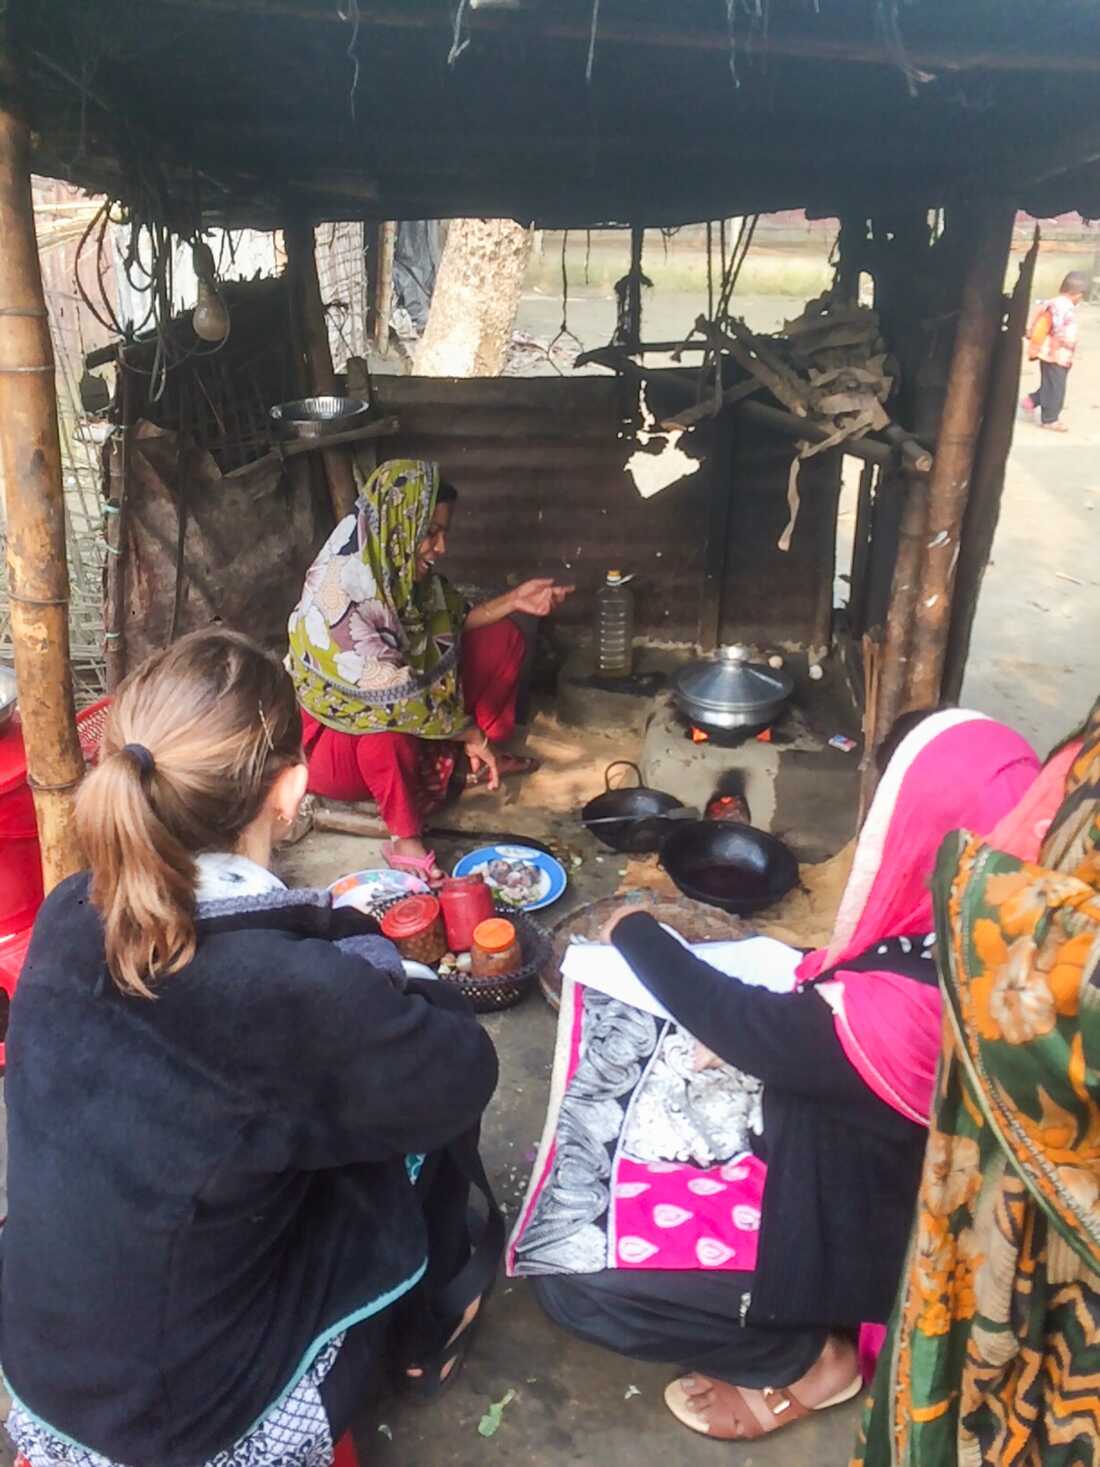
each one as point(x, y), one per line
point(795, 267)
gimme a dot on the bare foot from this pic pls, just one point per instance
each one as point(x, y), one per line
point(713, 1401)
point(414, 847)
point(467, 1319)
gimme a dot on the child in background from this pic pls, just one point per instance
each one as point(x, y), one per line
point(1052, 341)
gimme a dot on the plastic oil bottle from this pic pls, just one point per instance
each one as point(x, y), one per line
point(614, 632)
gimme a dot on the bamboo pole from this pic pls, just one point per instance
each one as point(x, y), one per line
point(30, 470)
point(901, 611)
point(312, 333)
point(983, 509)
point(956, 445)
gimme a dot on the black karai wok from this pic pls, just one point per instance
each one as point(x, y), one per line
point(732, 866)
point(629, 819)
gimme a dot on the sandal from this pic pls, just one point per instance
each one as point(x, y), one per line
point(522, 765)
point(736, 1421)
point(1056, 427)
point(421, 866)
point(431, 1383)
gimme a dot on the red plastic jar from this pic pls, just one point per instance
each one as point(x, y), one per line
point(415, 926)
point(466, 902)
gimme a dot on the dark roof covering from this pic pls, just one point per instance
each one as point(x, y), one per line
point(348, 108)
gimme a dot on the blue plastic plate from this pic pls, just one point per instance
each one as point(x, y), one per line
point(520, 876)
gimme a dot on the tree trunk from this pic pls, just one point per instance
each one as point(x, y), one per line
point(475, 299)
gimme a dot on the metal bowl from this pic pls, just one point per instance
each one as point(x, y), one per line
point(730, 692)
point(7, 695)
point(313, 417)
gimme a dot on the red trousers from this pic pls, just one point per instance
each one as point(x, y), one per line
point(392, 768)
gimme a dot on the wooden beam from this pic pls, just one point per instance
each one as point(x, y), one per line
point(312, 332)
point(956, 446)
point(30, 471)
point(983, 508)
point(893, 663)
point(933, 57)
point(869, 449)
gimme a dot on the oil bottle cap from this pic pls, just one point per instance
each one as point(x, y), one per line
point(614, 577)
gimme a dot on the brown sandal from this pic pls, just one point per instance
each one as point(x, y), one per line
point(735, 1420)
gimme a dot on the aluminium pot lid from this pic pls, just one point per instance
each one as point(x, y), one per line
point(730, 683)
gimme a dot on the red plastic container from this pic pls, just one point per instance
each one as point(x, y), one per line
point(466, 902)
point(20, 865)
point(415, 926)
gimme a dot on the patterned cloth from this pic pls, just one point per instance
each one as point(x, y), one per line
point(372, 649)
point(294, 1433)
point(994, 1349)
point(1059, 344)
point(645, 1161)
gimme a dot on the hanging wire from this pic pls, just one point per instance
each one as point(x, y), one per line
point(458, 45)
point(563, 330)
point(710, 271)
point(592, 41)
point(352, 54)
point(731, 31)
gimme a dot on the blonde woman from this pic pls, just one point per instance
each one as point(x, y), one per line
point(240, 1143)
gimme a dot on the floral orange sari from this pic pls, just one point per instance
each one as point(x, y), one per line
point(993, 1355)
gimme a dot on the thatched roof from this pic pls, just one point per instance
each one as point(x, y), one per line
point(692, 108)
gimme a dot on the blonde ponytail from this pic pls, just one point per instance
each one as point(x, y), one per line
point(196, 738)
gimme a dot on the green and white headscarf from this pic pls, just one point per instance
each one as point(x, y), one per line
point(372, 649)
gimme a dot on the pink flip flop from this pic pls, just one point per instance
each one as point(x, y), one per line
point(421, 866)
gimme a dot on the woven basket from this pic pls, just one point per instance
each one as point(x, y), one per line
point(490, 995)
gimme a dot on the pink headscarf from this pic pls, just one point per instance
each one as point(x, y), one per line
point(956, 770)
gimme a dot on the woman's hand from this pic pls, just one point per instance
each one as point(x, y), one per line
point(627, 909)
point(479, 752)
point(539, 597)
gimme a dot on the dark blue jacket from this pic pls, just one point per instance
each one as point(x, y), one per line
point(205, 1186)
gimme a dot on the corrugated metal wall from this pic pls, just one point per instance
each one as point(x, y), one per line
point(538, 463)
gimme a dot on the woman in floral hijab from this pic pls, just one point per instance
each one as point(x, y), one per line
point(395, 674)
point(994, 1349)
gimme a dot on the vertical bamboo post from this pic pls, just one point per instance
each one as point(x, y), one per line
point(956, 445)
point(901, 611)
point(30, 470)
point(983, 508)
point(312, 333)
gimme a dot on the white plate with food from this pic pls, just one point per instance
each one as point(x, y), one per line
point(521, 877)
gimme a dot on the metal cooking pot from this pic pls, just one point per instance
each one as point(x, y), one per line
point(731, 692)
point(7, 695)
point(629, 819)
point(729, 865)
